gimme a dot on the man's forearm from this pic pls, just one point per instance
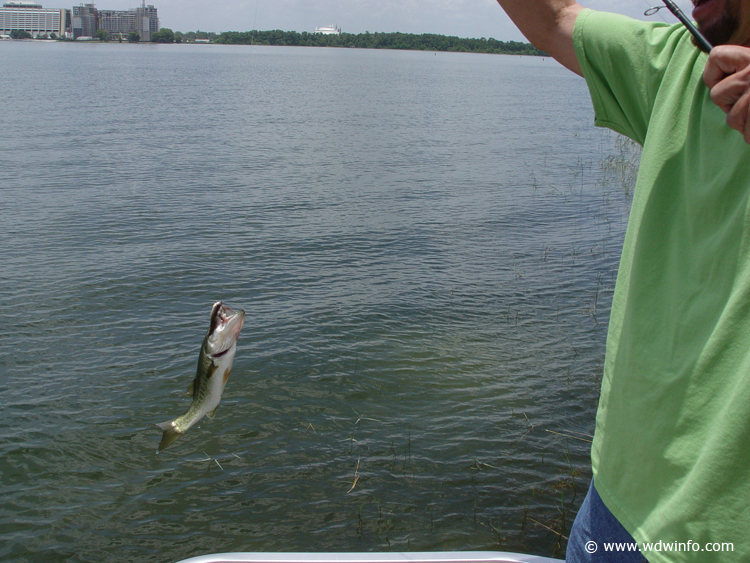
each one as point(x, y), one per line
point(548, 25)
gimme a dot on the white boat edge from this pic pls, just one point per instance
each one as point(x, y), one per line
point(402, 557)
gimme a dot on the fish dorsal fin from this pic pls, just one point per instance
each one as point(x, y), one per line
point(212, 413)
point(191, 388)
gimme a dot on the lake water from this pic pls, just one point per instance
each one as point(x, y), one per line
point(425, 245)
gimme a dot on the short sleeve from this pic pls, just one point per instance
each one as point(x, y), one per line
point(623, 61)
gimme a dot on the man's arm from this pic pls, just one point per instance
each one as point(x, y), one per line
point(548, 25)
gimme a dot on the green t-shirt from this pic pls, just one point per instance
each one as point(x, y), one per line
point(671, 454)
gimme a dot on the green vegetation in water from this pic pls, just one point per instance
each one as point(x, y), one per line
point(622, 168)
point(367, 40)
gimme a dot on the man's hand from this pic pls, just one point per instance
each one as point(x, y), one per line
point(727, 76)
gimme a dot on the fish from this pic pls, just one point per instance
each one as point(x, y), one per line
point(214, 365)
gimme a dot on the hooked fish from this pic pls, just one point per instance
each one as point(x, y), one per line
point(214, 364)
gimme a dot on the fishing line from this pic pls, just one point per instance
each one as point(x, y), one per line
point(255, 20)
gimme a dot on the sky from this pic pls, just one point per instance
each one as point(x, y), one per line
point(463, 18)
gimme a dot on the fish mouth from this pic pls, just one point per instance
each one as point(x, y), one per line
point(220, 354)
point(224, 329)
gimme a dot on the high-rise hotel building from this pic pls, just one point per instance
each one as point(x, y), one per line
point(143, 20)
point(32, 17)
point(87, 20)
point(82, 21)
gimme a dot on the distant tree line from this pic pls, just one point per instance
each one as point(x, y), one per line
point(408, 41)
point(367, 40)
point(166, 35)
point(193, 35)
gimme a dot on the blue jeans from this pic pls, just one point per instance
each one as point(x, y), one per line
point(594, 525)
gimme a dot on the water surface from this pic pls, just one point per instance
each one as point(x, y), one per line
point(425, 246)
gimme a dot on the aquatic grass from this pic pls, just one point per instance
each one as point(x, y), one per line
point(356, 477)
point(571, 436)
point(537, 522)
point(546, 508)
point(622, 168)
point(361, 417)
point(565, 487)
point(209, 458)
point(213, 459)
point(499, 532)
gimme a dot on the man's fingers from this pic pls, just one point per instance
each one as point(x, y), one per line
point(727, 75)
point(737, 115)
point(724, 61)
point(728, 92)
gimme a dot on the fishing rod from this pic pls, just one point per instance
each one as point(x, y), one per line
point(700, 40)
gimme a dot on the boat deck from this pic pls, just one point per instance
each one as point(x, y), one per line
point(406, 557)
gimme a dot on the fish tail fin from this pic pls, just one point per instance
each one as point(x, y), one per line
point(170, 434)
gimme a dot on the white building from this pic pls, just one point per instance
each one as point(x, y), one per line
point(328, 30)
point(32, 17)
